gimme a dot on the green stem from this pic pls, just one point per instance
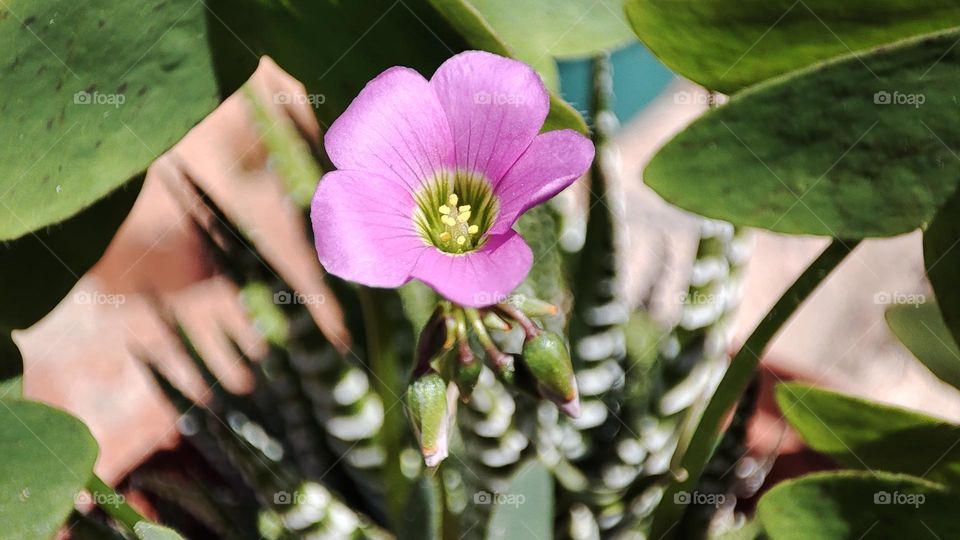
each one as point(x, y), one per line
point(734, 382)
point(389, 382)
point(119, 510)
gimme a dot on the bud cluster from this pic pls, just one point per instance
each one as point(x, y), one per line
point(455, 344)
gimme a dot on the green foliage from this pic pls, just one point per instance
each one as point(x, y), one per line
point(820, 151)
point(151, 531)
point(728, 45)
point(48, 458)
point(525, 508)
point(845, 505)
point(541, 30)
point(863, 435)
point(92, 94)
point(921, 328)
point(942, 261)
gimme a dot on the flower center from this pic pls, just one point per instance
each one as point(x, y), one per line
point(454, 210)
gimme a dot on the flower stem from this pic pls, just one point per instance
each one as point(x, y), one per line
point(119, 510)
point(703, 441)
point(518, 316)
point(500, 360)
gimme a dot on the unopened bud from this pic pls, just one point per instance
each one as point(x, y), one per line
point(427, 407)
point(545, 356)
point(532, 307)
point(492, 321)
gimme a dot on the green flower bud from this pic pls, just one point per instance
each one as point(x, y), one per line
point(546, 358)
point(532, 307)
point(427, 408)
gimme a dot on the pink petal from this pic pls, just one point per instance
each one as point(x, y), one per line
point(495, 106)
point(363, 228)
point(395, 128)
point(479, 278)
point(553, 162)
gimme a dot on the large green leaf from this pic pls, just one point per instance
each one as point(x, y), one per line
point(941, 255)
point(852, 505)
point(38, 269)
point(334, 48)
point(558, 28)
point(865, 435)
point(727, 45)
point(92, 93)
point(921, 328)
point(48, 457)
point(539, 31)
point(525, 508)
point(833, 150)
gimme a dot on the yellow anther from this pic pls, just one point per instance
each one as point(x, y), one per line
point(444, 209)
point(449, 221)
point(445, 236)
point(452, 199)
point(461, 240)
point(464, 208)
point(473, 229)
point(463, 217)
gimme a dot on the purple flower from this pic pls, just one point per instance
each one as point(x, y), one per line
point(432, 175)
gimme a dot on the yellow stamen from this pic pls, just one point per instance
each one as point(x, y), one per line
point(444, 209)
point(452, 199)
point(464, 208)
point(461, 240)
point(445, 236)
point(449, 221)
point(463, 217)
point(473, 229)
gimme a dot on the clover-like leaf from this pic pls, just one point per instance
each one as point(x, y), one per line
point(92, 93)
point(858, 147)
point(727, 45)
point(864, 435)
point(921, 328)
point(48, 458)
point(843, 505)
